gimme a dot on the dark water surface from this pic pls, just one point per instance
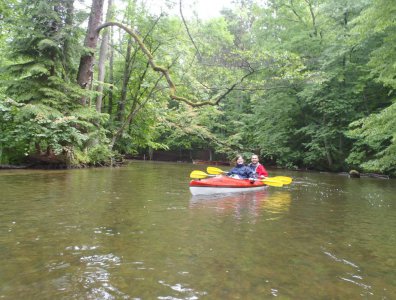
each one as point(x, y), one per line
point(136, 233)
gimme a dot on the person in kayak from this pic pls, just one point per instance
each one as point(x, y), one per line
point(240, 170)
point(257, 168)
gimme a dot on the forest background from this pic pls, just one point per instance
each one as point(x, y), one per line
point(303, 83)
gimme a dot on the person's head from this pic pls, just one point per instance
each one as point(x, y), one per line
point(254, 159)
point(239, 160)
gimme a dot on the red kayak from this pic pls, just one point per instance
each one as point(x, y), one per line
point(223, 184)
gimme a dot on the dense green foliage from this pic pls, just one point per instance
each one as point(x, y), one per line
point(308, 84)
point(39, 110)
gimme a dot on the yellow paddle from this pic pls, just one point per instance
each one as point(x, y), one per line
point(201, 175)
point(198, 174)
point(214, 170)
point(271, 182)
point(281, 179)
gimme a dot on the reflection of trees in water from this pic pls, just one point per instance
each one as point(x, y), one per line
point(240, 204)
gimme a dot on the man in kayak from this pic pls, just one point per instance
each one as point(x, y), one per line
point(240, 170)
point(257, 168)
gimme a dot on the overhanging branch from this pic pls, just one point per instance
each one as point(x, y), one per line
point(165, 71)
point(188, 32)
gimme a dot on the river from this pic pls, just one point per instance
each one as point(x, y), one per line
point(135, 232)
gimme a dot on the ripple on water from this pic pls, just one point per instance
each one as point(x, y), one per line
point(106, 230)
point(185, 291)
point(97, 277)
point(58, 266)
point(101, 260)
point(349, 277)
point(360, 284)
point(82, 248)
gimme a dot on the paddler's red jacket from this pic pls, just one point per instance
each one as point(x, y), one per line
point(258, 169)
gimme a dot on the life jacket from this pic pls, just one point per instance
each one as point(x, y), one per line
point(253, 168)
point(241, 170)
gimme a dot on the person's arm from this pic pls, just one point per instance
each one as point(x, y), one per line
point(230, 172)
point(253, 170)
point(261, 171)
point(249, 172)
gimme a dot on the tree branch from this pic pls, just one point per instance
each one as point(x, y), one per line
point(165, 72)
point(188, 32)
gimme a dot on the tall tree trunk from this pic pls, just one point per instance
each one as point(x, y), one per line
point(85, 70)
point(125, 80)
point(111, 74)
point(67, 45)
point(327, 148)
point(328, 153)
point(134, 110)
point(102, 58)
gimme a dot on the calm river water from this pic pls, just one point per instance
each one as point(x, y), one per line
point(135, 232)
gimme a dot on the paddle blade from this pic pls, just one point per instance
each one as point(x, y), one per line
point(214, 171)
point(283, 179)
point(198, 174)
point(272, 183)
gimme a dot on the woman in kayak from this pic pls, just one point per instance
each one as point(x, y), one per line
point(240, 170)
point(257, 168)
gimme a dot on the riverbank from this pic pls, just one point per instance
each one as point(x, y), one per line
point(123, 161)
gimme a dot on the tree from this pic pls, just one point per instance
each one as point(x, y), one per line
point(85, 70)
point(375, 135)
point(40, 115)
point(327, 93)
point(102, 57)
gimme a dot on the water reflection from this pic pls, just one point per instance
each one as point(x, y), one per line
point(239, 204)
point(278, 202)
point(236, 204)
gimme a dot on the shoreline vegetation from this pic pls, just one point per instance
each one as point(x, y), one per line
point(351, 174)
point(303, 84)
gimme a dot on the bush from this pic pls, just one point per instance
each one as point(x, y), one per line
point(100, 155)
